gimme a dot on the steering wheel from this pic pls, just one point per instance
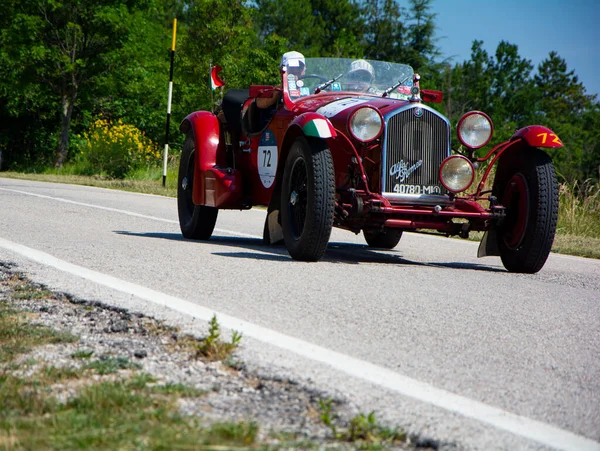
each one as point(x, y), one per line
point(320, 77)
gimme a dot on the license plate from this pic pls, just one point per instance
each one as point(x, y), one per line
point(417, 189)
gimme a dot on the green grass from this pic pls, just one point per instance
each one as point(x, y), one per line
point(579, 210)
point(109, 365)
point(17, 336)
point(577, 245)
point(108, 415)
point(147, 181)
point(363, 430)
point(212, 348)
point(82, 354)
point(129, 413)
point(129, 410)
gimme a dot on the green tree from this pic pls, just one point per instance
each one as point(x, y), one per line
point(569, 111)
point(591, 144)
point(400, 34)
point(54, 49)
point(468, 84)
point(222, 32)
point(421, 50)
point(385, 31)
point(512, 91)
point(313, 27)
point(137, 92)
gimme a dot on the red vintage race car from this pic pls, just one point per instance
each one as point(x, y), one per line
point(365, 153)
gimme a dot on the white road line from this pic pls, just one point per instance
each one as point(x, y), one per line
point(218, 230)
point(522, 426)
point(125, 212)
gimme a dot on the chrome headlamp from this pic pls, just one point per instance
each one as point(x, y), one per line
point(475, 129)
point(456, 173)
point(365, 124)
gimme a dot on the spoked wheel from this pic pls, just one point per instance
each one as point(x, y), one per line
point(307, 199)
point(196, 221)
point(529, 191)
point(385, 239)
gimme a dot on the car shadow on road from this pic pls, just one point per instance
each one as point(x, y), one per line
point(337, 252)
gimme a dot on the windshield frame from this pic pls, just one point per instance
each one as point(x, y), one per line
point(318, 71)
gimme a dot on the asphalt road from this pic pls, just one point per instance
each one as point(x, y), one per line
point(427, 335)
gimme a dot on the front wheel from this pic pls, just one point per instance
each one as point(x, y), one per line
point(307, 199)
point(385, 239)
point(529, 191)
point(196, 221)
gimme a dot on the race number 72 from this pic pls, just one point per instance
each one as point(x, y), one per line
point(266, 158)
point(544, 136)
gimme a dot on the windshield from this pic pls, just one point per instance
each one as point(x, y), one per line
point(349, 75)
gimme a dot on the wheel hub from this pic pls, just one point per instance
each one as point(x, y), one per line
point(294, 198)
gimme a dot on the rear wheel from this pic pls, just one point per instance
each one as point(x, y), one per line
point(307, 199)
point(196, 221)
point(385, 239)
point(529, 191)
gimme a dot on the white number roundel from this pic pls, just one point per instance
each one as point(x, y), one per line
point(267, 158)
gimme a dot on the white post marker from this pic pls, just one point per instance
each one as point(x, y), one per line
point(166, 153)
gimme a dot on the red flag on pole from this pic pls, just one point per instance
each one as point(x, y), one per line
point(215, 80)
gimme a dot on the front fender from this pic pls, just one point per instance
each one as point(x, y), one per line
point(538, 136)
point(315, 125)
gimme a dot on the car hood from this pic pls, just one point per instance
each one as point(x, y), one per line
point(341, 105)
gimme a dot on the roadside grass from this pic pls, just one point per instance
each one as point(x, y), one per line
point(577, 245)
point(129, 410)
point(110, 365)
point(112, 404)
point(17, 336)
point(579, 210)
point(126, 413)
point(363, 430)
point(212, 348)
point(146, 181)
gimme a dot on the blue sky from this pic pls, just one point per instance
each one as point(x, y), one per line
point(537, 27)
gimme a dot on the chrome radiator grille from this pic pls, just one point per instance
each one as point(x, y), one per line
point(417, 141)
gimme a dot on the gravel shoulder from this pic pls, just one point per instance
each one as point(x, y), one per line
point(288, 412)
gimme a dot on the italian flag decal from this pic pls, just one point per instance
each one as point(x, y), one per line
point(317, 128)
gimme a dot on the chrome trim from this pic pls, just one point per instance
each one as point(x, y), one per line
point(429, 178)
point(420, 199)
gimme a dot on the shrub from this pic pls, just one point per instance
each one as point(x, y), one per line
point(114, 150)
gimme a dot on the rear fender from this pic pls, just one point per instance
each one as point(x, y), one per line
point(215, 185)
point(538, 136)
point(205, 129)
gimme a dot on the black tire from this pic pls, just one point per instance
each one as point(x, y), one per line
point(307, 199)
point(527, 187)
point(196, 221)
point(385, 239)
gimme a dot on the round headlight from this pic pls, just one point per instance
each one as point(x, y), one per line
point(366, 124)
point(456, 173)
point(475, 129)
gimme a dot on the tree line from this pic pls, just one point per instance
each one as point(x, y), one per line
point(64, 63)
